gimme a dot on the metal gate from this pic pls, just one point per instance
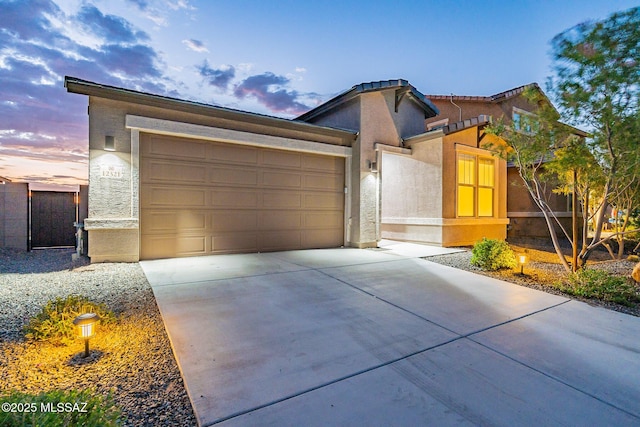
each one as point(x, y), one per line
point(53, 215)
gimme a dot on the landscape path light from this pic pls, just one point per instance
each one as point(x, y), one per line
point(86, 324)
point(522, 260)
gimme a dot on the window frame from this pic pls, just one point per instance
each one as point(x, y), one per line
point(476, 186)
point(522, 118)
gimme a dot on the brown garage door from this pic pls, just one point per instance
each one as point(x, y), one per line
point(200, 197)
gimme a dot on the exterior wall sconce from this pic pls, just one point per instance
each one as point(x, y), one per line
point(373, 166)
point(109, 143)
point(86, 324)
point(522, 260)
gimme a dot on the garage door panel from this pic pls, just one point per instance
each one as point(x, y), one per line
point(324, 201)
point(334, 165)
point(251, 199)
point(281, 180)
point(234, 221)
point(323, 220)
point(166, 171)
point(227, 153)
point(164, 196)
point(323, 182)
point(281, 159)
point(159, 246)
point(164, 222)
point(235, 199)
point(280, 240)
point(281, 199)
point(241, 176)
point(235, 242)
point(170, 147)
point(322, 238)
point(280, 220)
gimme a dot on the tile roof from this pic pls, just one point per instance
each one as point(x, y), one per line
point(491, 98)
point(474, 121)
point(399, 84)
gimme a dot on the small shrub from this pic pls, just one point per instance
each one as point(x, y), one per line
point(59, 408)
point(492, 254)
point(591, 283)
point(55, 321)
point(633, 258)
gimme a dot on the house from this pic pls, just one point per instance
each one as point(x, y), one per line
point(526, 220)
point(169, 177)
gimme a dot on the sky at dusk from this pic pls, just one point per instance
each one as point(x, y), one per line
point(280, 58)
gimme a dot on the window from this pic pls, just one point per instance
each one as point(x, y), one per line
point(476, 182)
point(466, 185)
point(524, 121)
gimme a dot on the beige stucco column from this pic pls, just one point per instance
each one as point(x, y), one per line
point(112, 224)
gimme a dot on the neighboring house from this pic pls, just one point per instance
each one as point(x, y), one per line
point(169, 177)
point(526, 220)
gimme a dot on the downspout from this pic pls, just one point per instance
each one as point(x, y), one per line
point(457, 106)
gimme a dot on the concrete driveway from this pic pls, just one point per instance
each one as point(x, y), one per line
point(378, 338)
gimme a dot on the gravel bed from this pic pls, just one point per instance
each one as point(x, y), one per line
point(132, 359)
point(542, 275)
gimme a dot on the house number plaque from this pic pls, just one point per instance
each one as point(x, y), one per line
point(111, 171)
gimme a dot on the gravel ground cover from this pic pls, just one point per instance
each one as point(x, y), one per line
point(132, 359)
point(543, 271)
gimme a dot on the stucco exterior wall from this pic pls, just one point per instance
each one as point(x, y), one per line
point(469, 110)
point(462, 234)
point(412, 193)
point(345, 116)
point(412, 185)
point(381, 124)
point(14, 215)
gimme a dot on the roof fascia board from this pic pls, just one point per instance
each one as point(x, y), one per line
point(427, 136)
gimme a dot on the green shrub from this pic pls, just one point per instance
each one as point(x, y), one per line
point(55, 321)
point(492, 254)
point(59, 408)
point(599, 284)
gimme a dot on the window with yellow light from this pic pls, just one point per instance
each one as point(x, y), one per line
point(476, 182)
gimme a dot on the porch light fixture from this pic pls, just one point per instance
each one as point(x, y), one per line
point(522, 260)
point(373, 166)
point(86, 324)
point(109, 143)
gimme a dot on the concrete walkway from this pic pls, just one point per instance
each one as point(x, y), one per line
point(377, 338)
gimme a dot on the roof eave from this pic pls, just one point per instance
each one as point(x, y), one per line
point(85, 87)
point(429, 108)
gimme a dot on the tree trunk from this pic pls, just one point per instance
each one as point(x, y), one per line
point(574, 223)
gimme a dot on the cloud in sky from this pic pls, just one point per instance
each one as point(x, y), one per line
point(220, 77)
point(141, 4)
point(109, 27)
point(39, 121)
point(43, 127)
point(195, 45)
point(269, 89)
